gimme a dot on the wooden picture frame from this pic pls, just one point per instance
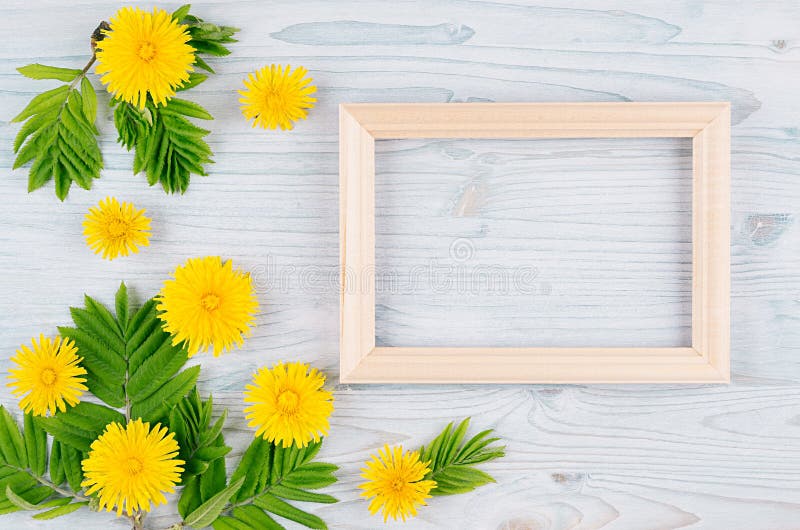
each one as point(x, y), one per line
point(707, 360)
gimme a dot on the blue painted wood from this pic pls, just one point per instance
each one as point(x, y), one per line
point(597, 220)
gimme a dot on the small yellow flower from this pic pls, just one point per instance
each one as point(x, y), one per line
point(289, 404)
point(49, 375)
point(208, 304)
point(132, 466)
point(395, 483)
point(116, 229)
point(276, 96)
point(144, 53)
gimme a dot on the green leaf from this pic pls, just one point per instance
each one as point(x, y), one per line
point(40, 71)
point(254, 517)
point(212, 453)
point(80, 425)
point(18, 501)
point(452, 459)
point(121, 307)
point(179, 14)
point(194, 80)
point(207, 512)
point(314, 475)
point(190, 499)
point(59, 138)
point(208, 39)
point(155, 370)
point(89, 100)
point(35, 445)
point(295, 494)
point(284, 509)
point(12, 446)
point(57, 474)
point(187, 108)
point(171, 148)
point(229, 523)
point(71, 460)
point(156, 406)
point(61, 510)
point(50, 100)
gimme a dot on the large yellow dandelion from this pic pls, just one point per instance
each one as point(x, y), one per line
point(208, 304)
point(116, 229)
point(131, 467)
point(289, 404)
point(144, 53)
point(48, 375)
point(395, 483)
point(276, 96)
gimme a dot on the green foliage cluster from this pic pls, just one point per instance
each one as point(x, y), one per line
point(453, 460)
point(135, 371)
point(133, 366)
point(60, 141)
point(59, 136)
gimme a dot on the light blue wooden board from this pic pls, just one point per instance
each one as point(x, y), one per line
point(579, 457)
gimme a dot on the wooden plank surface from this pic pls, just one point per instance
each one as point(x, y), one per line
point(615, 267)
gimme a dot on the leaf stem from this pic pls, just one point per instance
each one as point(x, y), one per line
point(51, 485)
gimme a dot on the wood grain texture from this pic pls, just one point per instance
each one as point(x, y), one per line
point(579, 457)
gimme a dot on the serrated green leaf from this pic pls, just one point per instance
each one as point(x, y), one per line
point(179, 14)
point(61, 510)
point(255, 458)
point(254, 517)
point(213, 480)
point(35, 445)
point(186, 108)
point(156, 370)
point(190, 496)
point(80, 425)
point(97, 355)
point(452, 459)
point(49, 100)
point(156, 405)
point(12, 445)
point(172, 148)
point(71, 460)
point(296, 494)
point(194, 80)
point(59, 137)
point(136, 333)
point(18, 501)
point(40, 71)
point(207, 512)
point(210, 435)
point(91, 324)
point(284, 509)
point(56, 468)
point(89, 101)
point(459, 479)
point(212, 453)
point(229, 523)
point(314, 475)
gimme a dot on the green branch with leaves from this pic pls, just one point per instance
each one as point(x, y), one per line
point(59, 138)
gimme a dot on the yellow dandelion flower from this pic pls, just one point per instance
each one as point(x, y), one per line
point(132, 466)
point(289, 404)
point(208, 304)
point(276, 96)
point(395, 483)
point(115, 228)
point(144, 53)
point(49, 374)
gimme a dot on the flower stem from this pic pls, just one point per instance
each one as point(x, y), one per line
point(136, 520)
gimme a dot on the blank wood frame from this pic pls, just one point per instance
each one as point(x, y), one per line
point(708, 358)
